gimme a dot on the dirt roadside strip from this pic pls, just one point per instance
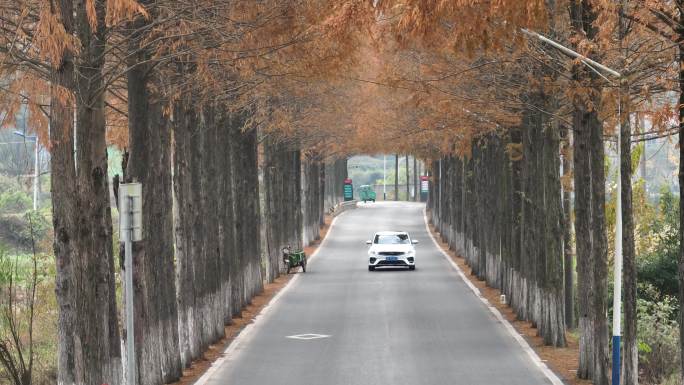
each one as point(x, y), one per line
point(562, 361)
point(217, 350)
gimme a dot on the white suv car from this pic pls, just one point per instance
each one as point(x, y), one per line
point(391, 248)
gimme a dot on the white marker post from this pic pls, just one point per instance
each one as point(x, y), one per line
point(130, 230)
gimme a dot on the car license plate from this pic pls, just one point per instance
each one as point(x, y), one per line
point(391, 258)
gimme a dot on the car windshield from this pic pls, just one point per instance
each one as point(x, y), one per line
point(393, 239)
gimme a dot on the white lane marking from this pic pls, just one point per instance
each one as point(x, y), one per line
point(248, 331)
point(507, 325)
point(311, 336)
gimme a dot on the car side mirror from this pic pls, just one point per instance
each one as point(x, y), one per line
point(414, 241)
point(368, 242)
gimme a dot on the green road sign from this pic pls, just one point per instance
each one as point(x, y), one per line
point(348, 190)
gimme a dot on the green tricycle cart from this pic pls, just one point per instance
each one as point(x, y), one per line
point(366, 193)
point(292, 259)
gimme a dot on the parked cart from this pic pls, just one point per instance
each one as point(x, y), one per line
point(292, 258)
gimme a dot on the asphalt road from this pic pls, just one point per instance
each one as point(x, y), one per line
point(383, 327)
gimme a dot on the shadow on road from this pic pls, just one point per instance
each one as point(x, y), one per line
point(390, 269)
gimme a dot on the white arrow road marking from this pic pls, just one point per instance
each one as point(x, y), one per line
point(309, 336)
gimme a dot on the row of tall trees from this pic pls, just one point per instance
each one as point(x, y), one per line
point(214, 255)
point(471, 72)
point(502, 212)
point(297, 186)
point(177, 85)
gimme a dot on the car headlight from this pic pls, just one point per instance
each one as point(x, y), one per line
point(373, 253)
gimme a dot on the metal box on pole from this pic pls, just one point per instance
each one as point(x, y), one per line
point(130, 212)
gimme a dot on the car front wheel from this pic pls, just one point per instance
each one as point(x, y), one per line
point(371, 268)
point(412, 267)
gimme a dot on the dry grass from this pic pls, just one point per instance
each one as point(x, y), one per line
point(562, 361)
point(215, 351)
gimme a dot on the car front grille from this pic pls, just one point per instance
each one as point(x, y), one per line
point(391, 253)
point(391, 263)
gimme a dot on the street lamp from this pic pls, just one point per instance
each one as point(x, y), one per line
point(384, 177)
point(35, 165)
point(617, 272)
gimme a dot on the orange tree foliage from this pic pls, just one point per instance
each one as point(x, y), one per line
point(32, 41)
point(350, 76)
point(428, 76)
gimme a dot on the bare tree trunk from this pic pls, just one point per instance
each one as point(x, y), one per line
point(600, 252)
point(681, 199)
point(226, 215)
point(156, 313)
point(568, 257)
point(63, 186)
point(583, 237)
point(590, 220)
point(213, 318)
point(630, 354)
point(246, 189)
point(270, 207)
point(238, 261)
point(554, 317)
point(182, 233)
point(89, 343)
point(516, 298)
point(416, 187)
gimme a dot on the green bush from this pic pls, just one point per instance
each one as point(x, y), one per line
point(39, 223)
point(15, 315)
point(14, 202)
point(658, 265)
point(657, 307)
point(21, 231)
point(8, 183)
point(658, 338)
point(659, 270)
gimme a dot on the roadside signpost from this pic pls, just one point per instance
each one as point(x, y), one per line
point(424, 187)
point(130, 230)
point(348, 190)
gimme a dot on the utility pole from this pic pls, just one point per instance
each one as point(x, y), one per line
point(384, 177)
point(617, 272)
point(408, 184)
point(415, 179)
point(36, 163)
point(439, 186)
point(130, 228)
point(396, 177)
